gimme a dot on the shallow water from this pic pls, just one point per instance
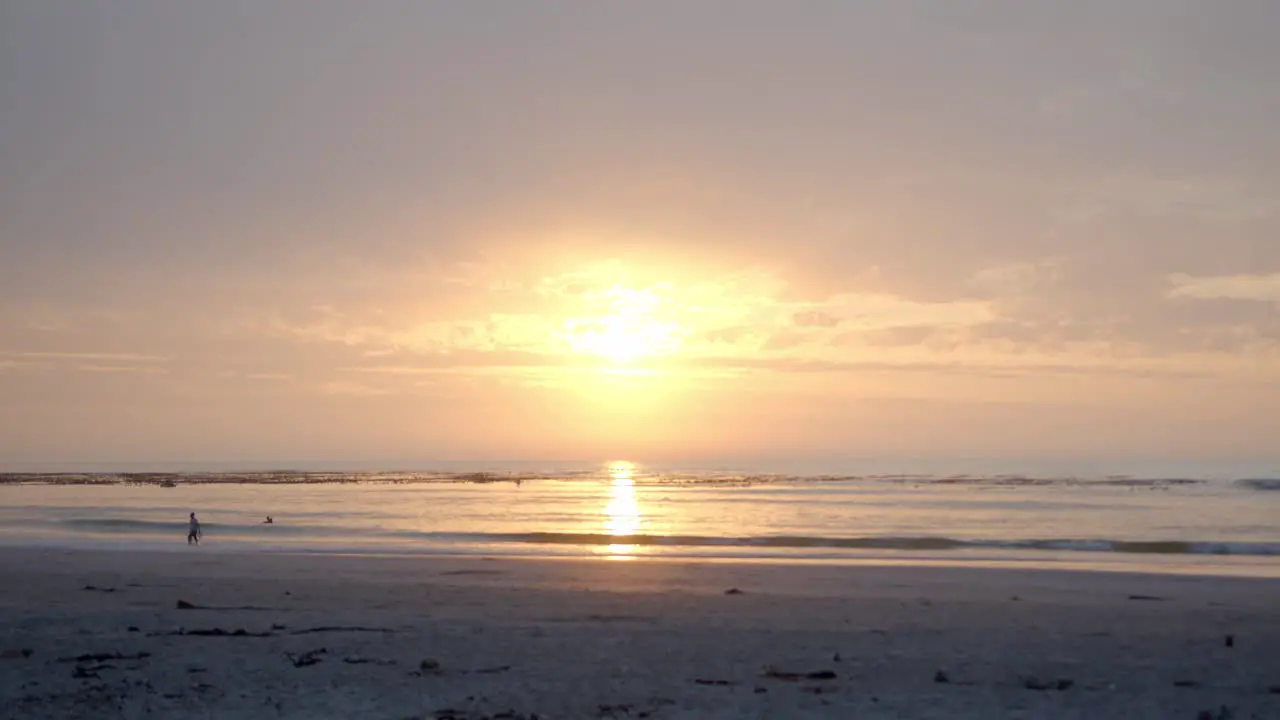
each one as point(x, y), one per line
point(1230, 526)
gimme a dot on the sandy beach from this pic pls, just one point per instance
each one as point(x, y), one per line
point(101, 635)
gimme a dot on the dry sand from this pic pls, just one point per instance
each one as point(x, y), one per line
point(361, 637)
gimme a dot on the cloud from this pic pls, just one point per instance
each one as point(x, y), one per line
point(867, 311)
point(891, 337)
point(1016, 278)
point(1006, 369)
point(271, 377)
point(1215, 199)
point(815, 318)
point(1049, 309)
point(85, 362)
point(124, 369)
point(352, 389)
point(407, 363)
point(1260, 288)
point(255, 376)
point(606, 311)
point(103, 356)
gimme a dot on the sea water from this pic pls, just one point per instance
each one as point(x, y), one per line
point(1227, 526)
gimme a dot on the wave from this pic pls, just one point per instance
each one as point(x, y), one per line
point(1161, 547)
point(151, 527)
point(672, 479)
point(112, 526)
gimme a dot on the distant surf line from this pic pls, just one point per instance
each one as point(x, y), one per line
point(640, 479)
point(121, 526)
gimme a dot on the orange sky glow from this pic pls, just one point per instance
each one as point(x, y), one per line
point(454, 232)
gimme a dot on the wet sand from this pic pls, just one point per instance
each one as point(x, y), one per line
point(290, 636)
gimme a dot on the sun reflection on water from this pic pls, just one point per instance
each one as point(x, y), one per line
point(622, 512)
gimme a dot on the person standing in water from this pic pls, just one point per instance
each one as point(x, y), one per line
point(193, 535)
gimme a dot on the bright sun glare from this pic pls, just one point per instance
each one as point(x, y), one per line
point(622, 513)
point(628, 327)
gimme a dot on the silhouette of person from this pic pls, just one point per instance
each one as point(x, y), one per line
point(194, 533)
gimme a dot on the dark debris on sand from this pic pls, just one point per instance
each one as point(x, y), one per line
point(184, 605)
point(306, 659)
point(342, 629)
point(450, 714)
point(103, 698)
point(103, 657)
point(361, 660)
point(275, 631)
point(1035, 683)
point(213, 632)
point(776, 674)
point(633, 710)
point(89, 673)
point(94, 588)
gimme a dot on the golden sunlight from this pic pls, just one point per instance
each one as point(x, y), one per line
point(622, 470)
point(630, 326)
point(622, 513)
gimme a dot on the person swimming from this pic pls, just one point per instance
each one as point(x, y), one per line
point(194, 533)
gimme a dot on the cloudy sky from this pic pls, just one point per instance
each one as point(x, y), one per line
point(718, 231)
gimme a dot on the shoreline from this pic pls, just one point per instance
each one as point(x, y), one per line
point(802, 577)
point(1168, 564)
point(575, 638)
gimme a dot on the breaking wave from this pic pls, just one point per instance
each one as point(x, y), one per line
point(281, 531)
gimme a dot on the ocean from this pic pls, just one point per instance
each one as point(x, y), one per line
point(620, 512)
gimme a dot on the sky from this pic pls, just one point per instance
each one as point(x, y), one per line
point(708, 232)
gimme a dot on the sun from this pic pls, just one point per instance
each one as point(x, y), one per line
point(629, 325)
point(622, 470)
point(623, 339)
